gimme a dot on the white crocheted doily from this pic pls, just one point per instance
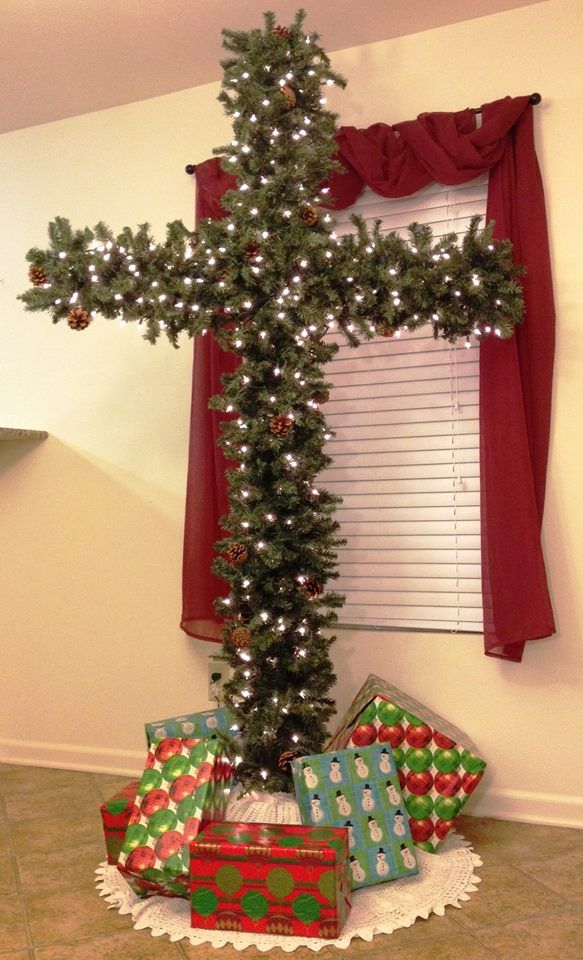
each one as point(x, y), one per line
point(444, 879)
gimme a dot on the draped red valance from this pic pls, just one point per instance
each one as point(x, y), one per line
point(515, 375)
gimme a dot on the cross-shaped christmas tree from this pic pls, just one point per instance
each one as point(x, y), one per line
point(269, 281)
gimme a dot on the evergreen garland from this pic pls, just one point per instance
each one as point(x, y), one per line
point(268, 282)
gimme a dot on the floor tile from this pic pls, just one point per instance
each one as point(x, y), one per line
point(16, 955)
point(12, 925)
point(4, 840)
point(130, 945)
point(69, 869)
point(504, 894)
point(459, 946)
point(562, 874)
point(54, 801)
point(34, 836)
point(505, 841)
point(556, 937)
point(66, 916)
point(107, 785)
point(206, 951)
point(8, 877)
point(23, 779)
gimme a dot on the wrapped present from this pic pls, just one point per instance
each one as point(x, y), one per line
point(207, 723)
point(115, 814)
point(270, 878)
point(185, 784)
point(359, 790)
point(439, 766)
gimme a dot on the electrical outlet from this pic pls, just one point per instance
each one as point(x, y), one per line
point(218, 674)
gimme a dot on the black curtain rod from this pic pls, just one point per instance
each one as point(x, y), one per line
point(534, 99)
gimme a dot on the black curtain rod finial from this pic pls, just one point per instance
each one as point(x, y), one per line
point(190, 168)
point(535, 98)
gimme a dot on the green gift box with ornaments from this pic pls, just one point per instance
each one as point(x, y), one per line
point(185, 784)
point(439, 766)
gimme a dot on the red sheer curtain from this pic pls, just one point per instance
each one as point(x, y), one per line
point(515, 376)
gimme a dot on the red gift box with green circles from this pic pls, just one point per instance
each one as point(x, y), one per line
point(115, 814)
point(439, 767)
point(278, 879)
point(185, 785)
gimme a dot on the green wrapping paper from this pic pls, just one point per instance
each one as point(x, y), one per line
point(185, 785)
point(439, 766)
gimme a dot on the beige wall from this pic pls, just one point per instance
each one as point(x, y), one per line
point(91, 519)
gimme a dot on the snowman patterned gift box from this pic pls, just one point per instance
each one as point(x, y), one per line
point(115, 814)
point(438, 764)
point(207, 723)
point(184, 786)
point(359, 790)
point(270, 878)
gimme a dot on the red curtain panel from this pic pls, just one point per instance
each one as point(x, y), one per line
point(515, 376)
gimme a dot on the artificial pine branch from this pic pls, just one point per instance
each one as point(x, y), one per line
point(269, 281)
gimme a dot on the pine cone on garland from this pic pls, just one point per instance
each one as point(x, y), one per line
point(280, 425)
point(386, 332)
point(78, 318)
point(236, 553)
point(37, 276)
point(322, 396)
point(289, 94)
point(240, 637)
point(283, 32)
point(312, 588)
point(309, 215)
point(285, 759)
point(252, 250)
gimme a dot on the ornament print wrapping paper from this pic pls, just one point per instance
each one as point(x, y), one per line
point(359, 790)
point(115, 815)
point(439, 767)
point(185, 784)
point(279, 879)
point(207, 723)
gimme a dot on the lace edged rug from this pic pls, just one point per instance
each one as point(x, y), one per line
point(445, 879)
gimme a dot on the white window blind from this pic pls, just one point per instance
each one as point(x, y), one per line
point(406, 453)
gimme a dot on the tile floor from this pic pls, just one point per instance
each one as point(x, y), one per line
point(529, 905)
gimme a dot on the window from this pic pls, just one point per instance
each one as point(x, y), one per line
point(406, 454)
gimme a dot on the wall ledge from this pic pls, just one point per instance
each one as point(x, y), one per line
point(64, 756)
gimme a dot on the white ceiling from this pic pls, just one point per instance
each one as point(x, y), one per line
point(62, 58)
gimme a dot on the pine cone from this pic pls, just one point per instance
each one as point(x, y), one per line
point(252, 250)
point(283, 32)
point(285, 759)
point(236, 553)
point(289, 95)
point(280, 425)
point(387, 332)
point(312, 588)
point(322, 396)
point(37, 276)
point(309, 215)
point(78, 318)
point(240, 637)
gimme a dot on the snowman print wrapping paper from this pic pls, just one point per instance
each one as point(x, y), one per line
point(359, 789)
